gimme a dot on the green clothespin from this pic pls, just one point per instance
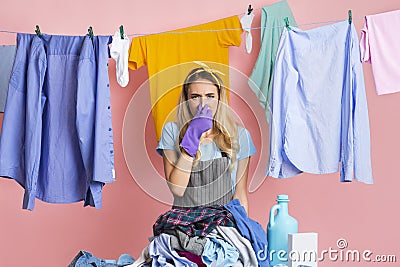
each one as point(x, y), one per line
point(350, 16)
point(39, 34)
point(121, 31)
point(287, 23)
point(90, 31)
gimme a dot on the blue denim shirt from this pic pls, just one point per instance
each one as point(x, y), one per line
point(86, 259)
point(57, 118)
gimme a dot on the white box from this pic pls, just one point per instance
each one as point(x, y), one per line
point(303, 249)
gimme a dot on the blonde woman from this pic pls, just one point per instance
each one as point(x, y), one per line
point(206, 153)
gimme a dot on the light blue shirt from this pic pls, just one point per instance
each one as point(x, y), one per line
point(56, 138)
point(218, 252)
point(319, 105)
point(209, 151)
point(164, 256)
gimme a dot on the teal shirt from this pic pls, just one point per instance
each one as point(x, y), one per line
point(272, 23)
point(208, 151)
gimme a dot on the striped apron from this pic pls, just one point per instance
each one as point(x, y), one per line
point(209, 183)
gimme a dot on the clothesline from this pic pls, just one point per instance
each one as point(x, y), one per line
point(219, 30)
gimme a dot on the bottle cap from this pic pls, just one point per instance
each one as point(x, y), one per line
point(282, 198)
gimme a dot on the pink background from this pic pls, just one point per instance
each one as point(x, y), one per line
point(365, 215)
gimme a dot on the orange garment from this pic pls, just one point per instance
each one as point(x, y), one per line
point(169, 57)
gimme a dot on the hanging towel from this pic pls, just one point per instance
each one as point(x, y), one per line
point(119, 52)
point(57, 138)
point(380, 46)
point(272, 22)
point(165, 55)
point(7, 55)
point(319, 106)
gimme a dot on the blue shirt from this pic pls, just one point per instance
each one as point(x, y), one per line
point(57, 138)
point(164, 256)
point(208, 151)
point(7, 55)
point(218, 252)
point(251, 230)
point(319, 105)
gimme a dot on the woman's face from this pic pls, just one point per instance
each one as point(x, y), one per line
point(202, 92)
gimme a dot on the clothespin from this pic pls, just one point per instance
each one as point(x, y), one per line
point(39, 34)
point(121, 31)
point(90, 31)
point(350, 16)
point(287, 23)
point(249, 10)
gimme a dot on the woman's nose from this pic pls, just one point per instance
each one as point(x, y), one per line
point(204, 100)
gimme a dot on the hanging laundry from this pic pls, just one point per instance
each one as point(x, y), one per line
point(319, 105)
point(57, 138)
point(7, 55)
point(380, 46)
point(246, 21)
point(164, 55)
point(120, 52)
point(260, 80)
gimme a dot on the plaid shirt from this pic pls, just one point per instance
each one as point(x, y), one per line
point(198, 221)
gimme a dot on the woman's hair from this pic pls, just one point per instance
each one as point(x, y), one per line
point(224, 126)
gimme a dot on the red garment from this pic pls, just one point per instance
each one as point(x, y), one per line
point(192, 257)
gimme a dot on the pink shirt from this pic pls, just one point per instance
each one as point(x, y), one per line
point(379, 46)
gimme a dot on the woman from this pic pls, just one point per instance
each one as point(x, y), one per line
point(206, 154)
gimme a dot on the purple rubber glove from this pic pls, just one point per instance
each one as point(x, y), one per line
point(200, 123)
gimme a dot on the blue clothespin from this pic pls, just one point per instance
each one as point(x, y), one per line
point(350, 16)
point(287, 23)
point(90, 31)
point(121, 31)
point(39, 34)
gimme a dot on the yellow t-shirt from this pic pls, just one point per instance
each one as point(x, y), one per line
point(169, 57)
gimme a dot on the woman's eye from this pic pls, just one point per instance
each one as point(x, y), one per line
point(210, 96)
point(195, 96)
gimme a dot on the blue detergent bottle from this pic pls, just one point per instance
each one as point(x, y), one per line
point(279, 226)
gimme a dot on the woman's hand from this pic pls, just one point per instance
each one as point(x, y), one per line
point(201, 122)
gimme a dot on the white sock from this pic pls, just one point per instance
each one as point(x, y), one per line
point(246, 21)
point(119, 52)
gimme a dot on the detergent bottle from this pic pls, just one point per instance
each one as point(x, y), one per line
point(280, 225)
